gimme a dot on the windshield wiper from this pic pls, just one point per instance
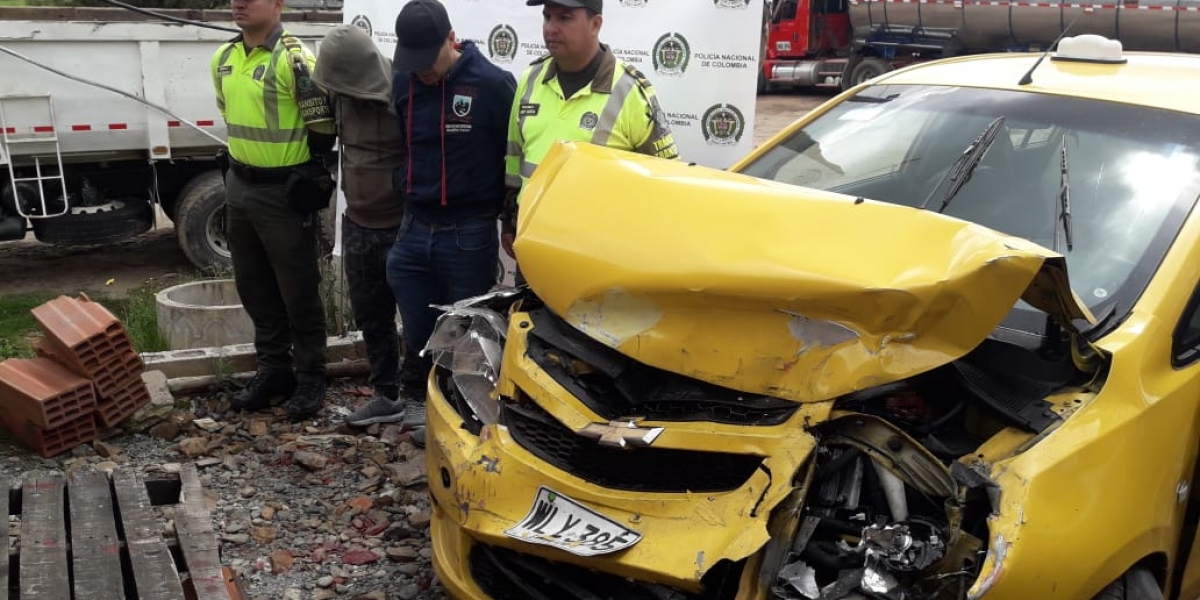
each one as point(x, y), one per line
point(1064, 199)
point(960, 173)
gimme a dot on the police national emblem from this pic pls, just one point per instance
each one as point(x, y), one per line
point(723, 124)
point(502, 43)
point(363, 23)
point(671, 54)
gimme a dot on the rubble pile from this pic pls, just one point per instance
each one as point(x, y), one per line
point(303, 511)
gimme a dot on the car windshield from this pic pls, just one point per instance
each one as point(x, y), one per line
point(1134, 173)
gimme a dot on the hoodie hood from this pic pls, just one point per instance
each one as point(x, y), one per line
point(764, 287)
point(351, 65)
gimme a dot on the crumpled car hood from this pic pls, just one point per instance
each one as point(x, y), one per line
point(764, 287)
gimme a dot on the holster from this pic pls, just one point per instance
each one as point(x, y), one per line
point(309, 187)
point(222, 160)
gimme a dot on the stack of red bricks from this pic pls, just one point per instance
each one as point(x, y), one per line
point(87, 374)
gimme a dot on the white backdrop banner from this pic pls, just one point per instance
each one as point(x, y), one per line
point(702, 60)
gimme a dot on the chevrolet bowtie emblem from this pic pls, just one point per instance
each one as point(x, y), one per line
point(621, 434)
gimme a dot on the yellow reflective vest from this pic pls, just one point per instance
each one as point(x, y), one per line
point(256, 96)
point(619, 109)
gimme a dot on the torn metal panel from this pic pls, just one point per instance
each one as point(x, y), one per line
point(856, 314)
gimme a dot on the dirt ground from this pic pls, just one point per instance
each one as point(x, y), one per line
point(32, 267)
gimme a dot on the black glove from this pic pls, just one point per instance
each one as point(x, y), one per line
point(309, 187)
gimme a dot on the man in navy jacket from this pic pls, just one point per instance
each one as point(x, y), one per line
point(453, 106)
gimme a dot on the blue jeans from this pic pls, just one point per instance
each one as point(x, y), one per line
point(438, 263)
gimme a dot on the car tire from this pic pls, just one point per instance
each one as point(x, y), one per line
point(1137, 584)
point(112, 221)
point(200, 222)
point(867, 69)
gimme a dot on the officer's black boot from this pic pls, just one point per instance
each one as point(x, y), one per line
point(308, 399)
point(263, 388)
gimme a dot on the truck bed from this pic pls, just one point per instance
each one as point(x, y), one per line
point(165, 63)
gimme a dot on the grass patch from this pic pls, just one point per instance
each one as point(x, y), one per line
point(18, 330)
point(136, 310)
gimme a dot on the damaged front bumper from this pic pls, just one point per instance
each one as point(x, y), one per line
point(796, 501)
point(483, 484)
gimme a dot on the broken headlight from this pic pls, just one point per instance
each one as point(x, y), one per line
point(468, 342)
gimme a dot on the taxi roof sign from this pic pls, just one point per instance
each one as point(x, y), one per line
point(1090, 48)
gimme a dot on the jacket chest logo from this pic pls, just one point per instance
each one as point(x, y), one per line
point(462, 105)
point(259, 71)
point(589, 120)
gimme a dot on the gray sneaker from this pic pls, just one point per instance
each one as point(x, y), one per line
point(379, 410)
point(414, 415)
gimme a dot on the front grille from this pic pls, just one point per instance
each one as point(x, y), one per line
point(617, 387)
point(632, 469)
point(506, 575)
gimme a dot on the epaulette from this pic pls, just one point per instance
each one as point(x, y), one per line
point(637, 75)
point(291, 43)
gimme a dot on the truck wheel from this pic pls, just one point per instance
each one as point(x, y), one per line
point(1137, 584)
point(112, 221)
point(868, 69)
point(200, 222)
point(764, 86)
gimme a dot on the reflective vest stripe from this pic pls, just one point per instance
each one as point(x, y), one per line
point(527, 169)
point(530, 83)
point(513, 181)
point(273, 135)
point(612, 109)
point(224, 59)
point(515, 148)
point(271, 90)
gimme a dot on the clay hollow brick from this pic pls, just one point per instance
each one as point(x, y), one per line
point(44, 393)
point(111, 411)
point(50, 442)
point(70, 323)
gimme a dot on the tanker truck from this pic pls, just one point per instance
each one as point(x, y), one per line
point(841, 43)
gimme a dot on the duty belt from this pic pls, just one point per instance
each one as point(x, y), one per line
point(261, 175)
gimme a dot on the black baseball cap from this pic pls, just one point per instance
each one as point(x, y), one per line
point(421, 30)
point(596, 6)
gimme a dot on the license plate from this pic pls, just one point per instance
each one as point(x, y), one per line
point(558, 521)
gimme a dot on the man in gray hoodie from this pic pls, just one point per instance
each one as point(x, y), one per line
point(359, 81)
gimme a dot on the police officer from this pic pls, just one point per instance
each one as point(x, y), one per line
point(274, 112)
point(578, 92)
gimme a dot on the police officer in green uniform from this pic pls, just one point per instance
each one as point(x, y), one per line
point(276, 117)
point(578, 92)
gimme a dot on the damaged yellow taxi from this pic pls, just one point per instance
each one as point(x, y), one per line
point(939, 339)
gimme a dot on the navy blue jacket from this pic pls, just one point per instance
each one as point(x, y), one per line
point(457, 134)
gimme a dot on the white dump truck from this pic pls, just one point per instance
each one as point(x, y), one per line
point(85, 163)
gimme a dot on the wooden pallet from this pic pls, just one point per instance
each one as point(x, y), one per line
point(92, 537)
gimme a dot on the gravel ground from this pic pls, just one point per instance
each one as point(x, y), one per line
point(305, 511)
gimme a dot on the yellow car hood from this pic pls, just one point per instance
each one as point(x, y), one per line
point(764, 287)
